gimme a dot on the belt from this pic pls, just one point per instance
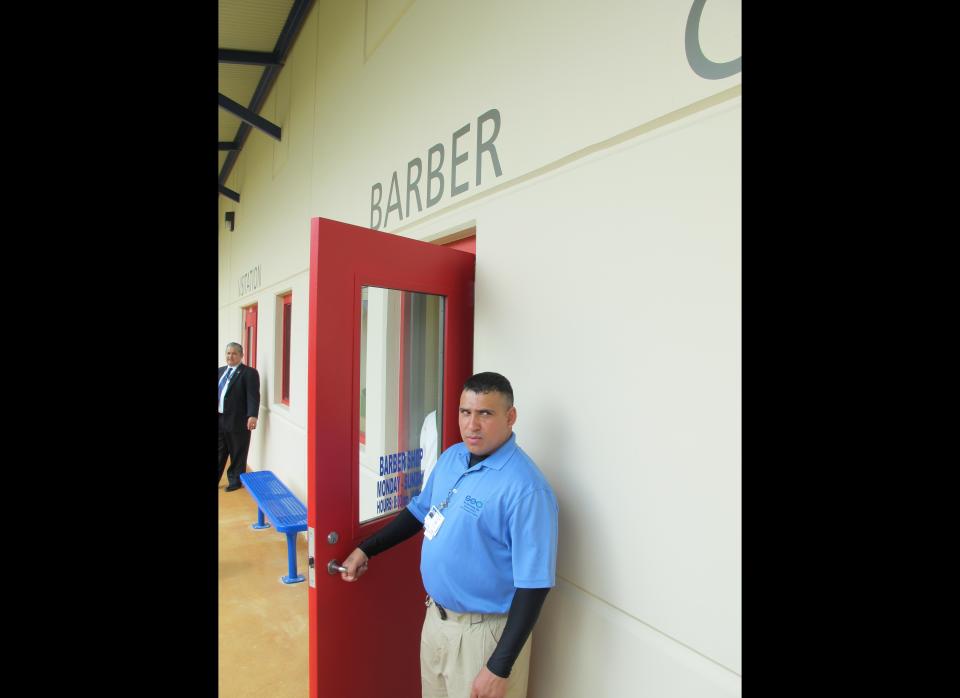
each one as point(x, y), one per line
point(443, 611)
point(457, 616)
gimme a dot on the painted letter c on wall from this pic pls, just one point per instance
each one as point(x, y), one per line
point(702, 65)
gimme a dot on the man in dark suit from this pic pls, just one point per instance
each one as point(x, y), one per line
point(238, 404)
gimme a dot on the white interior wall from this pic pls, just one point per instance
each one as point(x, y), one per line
point(632, 401)
point(629, 294)
point(607, 289)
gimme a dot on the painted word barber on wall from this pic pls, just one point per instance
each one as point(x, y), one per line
point(435, 183)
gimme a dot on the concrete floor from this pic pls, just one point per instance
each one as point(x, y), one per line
point(264, 638)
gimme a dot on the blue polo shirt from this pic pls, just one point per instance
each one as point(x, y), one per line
point(499, 530)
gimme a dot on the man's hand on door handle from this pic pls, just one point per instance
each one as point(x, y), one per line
point(356, 564)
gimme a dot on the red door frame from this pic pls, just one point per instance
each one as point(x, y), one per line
point(286, 307)
point(250, 335)
point(364, 636)
point(402, 388)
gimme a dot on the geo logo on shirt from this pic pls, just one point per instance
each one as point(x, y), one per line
point(472, 506)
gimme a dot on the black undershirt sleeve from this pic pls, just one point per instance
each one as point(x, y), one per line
point(403, 526)
point(521, 618)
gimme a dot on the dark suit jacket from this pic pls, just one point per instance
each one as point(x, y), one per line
point(242, 399)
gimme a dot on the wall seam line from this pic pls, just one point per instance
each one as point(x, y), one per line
point(656, 630)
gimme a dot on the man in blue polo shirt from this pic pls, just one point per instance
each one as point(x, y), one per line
point(489, 552)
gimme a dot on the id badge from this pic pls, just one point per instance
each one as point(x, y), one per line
point(432, 523)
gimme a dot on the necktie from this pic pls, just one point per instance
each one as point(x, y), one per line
point(223, 384)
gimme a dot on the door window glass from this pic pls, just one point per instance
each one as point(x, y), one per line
point(401, 359)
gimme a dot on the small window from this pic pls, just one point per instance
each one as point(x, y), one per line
point(286, 302)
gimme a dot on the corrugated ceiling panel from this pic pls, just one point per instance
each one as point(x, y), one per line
point(249, 25)
point(252, 25)
point(228, 125)
point(238, 82)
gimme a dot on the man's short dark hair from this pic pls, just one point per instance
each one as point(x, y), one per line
point(488, 382)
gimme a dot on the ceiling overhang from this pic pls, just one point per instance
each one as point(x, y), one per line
point(271, 62)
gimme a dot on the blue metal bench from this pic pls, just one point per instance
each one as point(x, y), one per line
point(286, 512)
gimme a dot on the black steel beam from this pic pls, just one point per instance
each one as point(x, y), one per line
point(229, 55)
point(232, 156)
point(296, 18)
point(228, 145)
point(230, 193)
point(255, 120)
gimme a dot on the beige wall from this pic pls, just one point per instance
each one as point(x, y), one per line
point(608, 287)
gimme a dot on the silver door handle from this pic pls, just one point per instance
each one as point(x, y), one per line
point(334, 567)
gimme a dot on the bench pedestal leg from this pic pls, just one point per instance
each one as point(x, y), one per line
point(292, 577)
point(260, 522)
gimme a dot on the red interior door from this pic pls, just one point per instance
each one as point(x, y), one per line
point(391, 342)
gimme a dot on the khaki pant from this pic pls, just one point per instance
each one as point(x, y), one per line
point(453, 651)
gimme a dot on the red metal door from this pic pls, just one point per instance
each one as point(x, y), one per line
point(364, 636)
